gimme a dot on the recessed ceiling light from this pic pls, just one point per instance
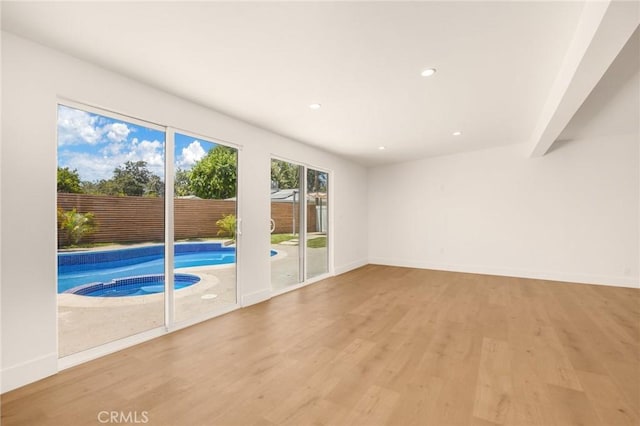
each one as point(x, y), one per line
point(315, 106)
point(381, 148)
point(457, 133)
point(428, 72)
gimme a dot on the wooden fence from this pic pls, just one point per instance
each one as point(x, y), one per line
point(141, 219)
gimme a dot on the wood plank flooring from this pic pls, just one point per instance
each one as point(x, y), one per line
point(379, 345)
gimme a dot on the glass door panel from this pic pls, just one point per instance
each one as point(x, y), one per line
point(286, 224)
point(111, 247)
point(205, 210)
point(317, 209)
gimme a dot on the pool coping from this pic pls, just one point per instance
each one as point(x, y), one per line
point(204, 285)
point(76, 300)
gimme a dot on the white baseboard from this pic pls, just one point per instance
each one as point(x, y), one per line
point(28, 372)
point(615, 281)
point(256, 297)
point(351, 266)
point(109, 348)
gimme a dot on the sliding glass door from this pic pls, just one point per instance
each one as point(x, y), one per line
point(110, 209)
point(299, 224)
point(286, 224)
point(130, 259)
point(205, 211)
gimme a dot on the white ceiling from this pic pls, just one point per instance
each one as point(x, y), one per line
point(266, 62)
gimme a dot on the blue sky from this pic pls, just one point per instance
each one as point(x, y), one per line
point(95, 145)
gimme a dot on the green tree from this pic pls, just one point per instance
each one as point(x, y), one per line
point(69, 180)
point(316, 181)
point(181, 183)
point(215, 175)
point(89, 187)
point(132, 178)
point(284, 175)
point(107, 187)
point(101, 187)
point(155, 187)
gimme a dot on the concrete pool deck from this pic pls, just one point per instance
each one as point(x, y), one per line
point(86, 322)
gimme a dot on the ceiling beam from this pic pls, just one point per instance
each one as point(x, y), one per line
point(603, 29)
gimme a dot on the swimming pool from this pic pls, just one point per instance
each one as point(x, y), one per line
point(103, 266)
point(133, 286)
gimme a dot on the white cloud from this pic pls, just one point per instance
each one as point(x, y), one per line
point(116, 132)
point(92, 167)
point(112, 149)
point(78, 127)
point(75, 126)
point(152, 153)
point(190, 155)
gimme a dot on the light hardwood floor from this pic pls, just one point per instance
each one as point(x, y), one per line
point(379, 345)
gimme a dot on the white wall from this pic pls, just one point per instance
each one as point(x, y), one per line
point(33, 77)
point(571, 215)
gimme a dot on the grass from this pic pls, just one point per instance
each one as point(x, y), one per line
point(278, 238)
point(85, 245)
point(319, 242)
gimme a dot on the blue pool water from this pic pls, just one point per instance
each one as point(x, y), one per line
point(80, 268)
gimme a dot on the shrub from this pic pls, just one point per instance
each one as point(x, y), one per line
point(227, 226)
point(76, 225)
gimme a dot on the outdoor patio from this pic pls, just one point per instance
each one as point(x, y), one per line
point(86, 322)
